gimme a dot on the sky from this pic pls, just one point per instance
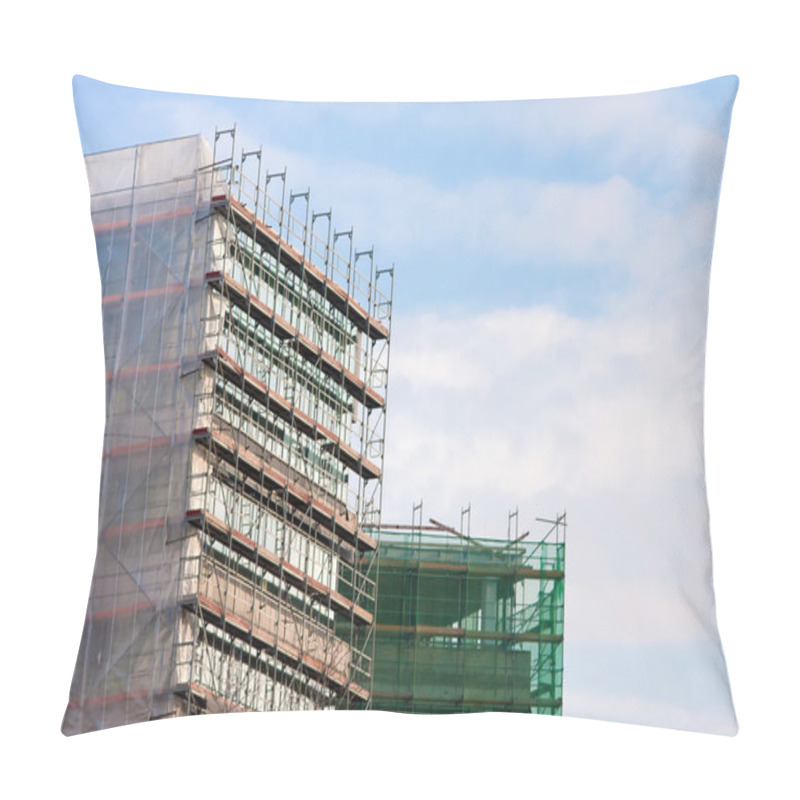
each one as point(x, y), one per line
point(548, 338)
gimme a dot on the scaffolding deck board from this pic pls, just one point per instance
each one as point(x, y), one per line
point(302, 267)
point(285, 652)
point(312, 353)
point(288, 412)
point(499, 570)
point(248, 462)
point(276, 565)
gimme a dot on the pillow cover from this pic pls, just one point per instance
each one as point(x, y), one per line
point(547, 333)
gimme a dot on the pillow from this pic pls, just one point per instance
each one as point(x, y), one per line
point(275, 534)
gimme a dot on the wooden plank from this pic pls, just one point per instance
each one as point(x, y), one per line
point(304, 269)
point(311, 352)
point(275, 565)
point(284, 651)
point(249, 463)
point(288, 412)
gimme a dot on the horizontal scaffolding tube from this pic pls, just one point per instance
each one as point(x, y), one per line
point(457, 703)
point(246, 461)
point(271, 562)
point(463, 633)
point(286, 652)
point(311, 352)
point(499, 570)
point(303, 268)
point(288, 412)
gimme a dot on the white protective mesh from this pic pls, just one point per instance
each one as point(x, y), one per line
point(151, 250)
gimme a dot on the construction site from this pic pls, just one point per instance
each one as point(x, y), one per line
point(241, 561)
point(466, 624)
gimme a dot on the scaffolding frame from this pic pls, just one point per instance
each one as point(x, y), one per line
point(290, 415)
point(466, 624)
point(247, 371)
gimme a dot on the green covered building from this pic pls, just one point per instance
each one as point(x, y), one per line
point(465, 624)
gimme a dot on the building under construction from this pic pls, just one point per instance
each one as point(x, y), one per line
point(247, 352)
point(246, 347)
point(466, 624)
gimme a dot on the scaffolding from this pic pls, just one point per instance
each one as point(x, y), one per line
point(247, 358)
point(466, 624)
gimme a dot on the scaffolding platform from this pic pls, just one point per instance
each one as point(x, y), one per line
point(277, 566)
point(282, 329)
point(337, 522)
point(246, 379)
point(294, 261)
point(466, 624)
point(288, 412)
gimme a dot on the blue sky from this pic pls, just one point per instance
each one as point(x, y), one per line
point(548, 336)
point(488, 161)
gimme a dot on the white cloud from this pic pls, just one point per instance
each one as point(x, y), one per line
point(638, 613)
point(536, 409)
point(527, 399)
point(652, 137)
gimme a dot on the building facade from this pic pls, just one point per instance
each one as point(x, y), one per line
point(246, 346)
